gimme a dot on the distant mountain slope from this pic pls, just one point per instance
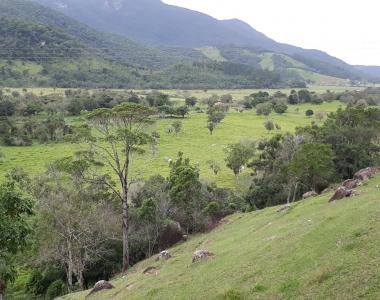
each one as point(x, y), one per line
point(33, 54)
point(314, 250)
point(42, 47)
point(155, 22)
point(108, 45)
point(135, 65)
point(373, 71)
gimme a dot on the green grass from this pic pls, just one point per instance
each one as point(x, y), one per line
point(212, 53)
point(320, 79)
point(267, 61)
point(195, 141)
point(238, 94)
point(316, 250)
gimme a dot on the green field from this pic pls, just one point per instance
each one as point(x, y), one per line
point(316, 250)
point(238, 94)
point(195, 141)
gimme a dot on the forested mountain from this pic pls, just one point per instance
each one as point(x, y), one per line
point(45, 47)
point(151, 21)
point(136, 65)
point(108, 45)
point(35, 54)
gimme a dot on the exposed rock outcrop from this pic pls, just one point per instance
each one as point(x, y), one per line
point(366, 173)
point(352, 183)
point(346, 190)
point(201, 255)
point(164, 255)
point(341, 192)
point(309, 195)
point(101, 286)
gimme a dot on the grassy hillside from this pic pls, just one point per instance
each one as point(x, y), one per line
point(290, 68)
point(315, 250)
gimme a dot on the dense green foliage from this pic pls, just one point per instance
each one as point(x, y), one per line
point(15, 207)
point(313, 165)
point(289, 166)
point(353, 135)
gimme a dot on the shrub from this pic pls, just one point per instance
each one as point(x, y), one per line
point(269, 125)
point(233, 295)
point(264, 109)
point(177, 126)
point(212, 209)
point(309, 113)
point(280, 108)
point(191, 101)
point(56, 289)
point(226, 98)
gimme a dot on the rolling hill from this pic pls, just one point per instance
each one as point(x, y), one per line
point(35, 54)
point(151, 21)
point(42, 47)
point(315, 250)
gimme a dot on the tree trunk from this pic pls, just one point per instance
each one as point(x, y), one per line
point(295, 192)
point(125, 234)
point(289, 195)
point(125, 213)
point(2, 289)
point(70, 266)
point(80, 280)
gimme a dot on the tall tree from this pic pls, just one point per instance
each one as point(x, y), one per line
point(313, 165)
point(238, 155)
point(15, 207)
point(185, 191)
point(122, 131)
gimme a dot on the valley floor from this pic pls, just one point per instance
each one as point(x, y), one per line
point(194, 140)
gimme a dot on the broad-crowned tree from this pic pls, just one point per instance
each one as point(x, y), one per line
point(120, 132)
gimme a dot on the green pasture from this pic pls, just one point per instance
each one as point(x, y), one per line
point(238, 94)
point(195, 141)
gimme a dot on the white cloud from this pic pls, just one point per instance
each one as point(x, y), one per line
point(346, 29)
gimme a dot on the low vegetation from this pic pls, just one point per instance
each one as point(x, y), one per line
point(112, 218)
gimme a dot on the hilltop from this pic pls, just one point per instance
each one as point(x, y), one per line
point(316, 250)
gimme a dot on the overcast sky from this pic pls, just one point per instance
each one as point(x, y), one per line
point(348, 29)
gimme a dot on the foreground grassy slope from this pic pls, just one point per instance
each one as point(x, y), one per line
point(316, 250)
